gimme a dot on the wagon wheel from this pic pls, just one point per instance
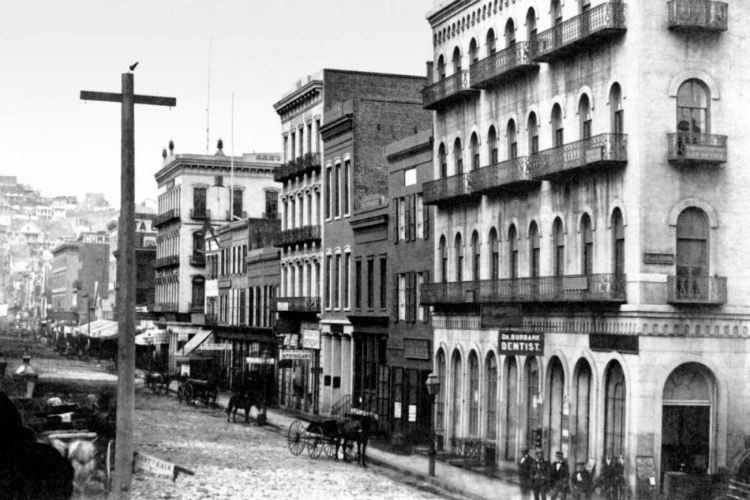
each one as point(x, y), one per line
point(315, 441)
point(296, 437)
point(189, 394)
point(109, 465)
point(329, 447)
point(350, 451)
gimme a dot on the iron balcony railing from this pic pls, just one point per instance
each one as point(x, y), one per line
point(578, 288)
point(240, 215)
point(600, 150)
point(601, 22)
point(502, 65)
point(502, 174)
point(200, 214)
point(449, 188)
point(197, 260)
point(172, 260)
point(211, 319)
point(167, 216)
point(297, 235)
point(706, 290)
point(197, 307)
point(296, 304)
point(448, 89)
point(699, 15)
point(298, 166)
point(689, 147)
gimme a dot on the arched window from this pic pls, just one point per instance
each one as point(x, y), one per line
point(582, 412)
point(584, 113)
point(490, 370)
point(459, 249)
point(530, 24)
point(491, 42)
point(473, 394)
point(615, 108)
point(441, 68)
point(556, 13)
point(457, 369)
point(555, 399)
point(476, 257)
point(510, 33)
point(440, 403)
point(458, 156)
point(494, 255)
point(512, 140)
point(513, 252)
point(692, 108)
point(534, 250)
point(443, 260)
point(492, 145)
point(443, 159)
point(533, 413)
point(557, 126)
point(692, 253)
point(618, 243)
point(614, 410)
point(473, 51)
point(456, 61)
point(587, 246)
point(533, 134)
point(559, 245)
point(199, 293)
point(474, 151)
point(511, 407)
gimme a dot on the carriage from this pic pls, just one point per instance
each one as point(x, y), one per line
point(192, 389)
point(318, 437)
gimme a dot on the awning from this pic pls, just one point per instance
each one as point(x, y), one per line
point(91, 327)
point(105, 331)
point(197, 340)
point(151, 337)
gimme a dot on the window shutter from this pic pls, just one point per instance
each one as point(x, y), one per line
point(413, 220)
point(413, 296)
point(426, 308)
point(407, 219)
point(426, 222)
point(407, 313)
point(394, 220)
point(394, 302)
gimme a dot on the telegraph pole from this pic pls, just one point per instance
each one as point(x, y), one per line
point(123, 477)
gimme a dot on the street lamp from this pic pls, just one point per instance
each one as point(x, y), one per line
point(433, 388)
point(266, 359)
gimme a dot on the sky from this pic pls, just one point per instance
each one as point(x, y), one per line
point(53, 49)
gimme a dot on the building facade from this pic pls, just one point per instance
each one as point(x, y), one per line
point(588, 288)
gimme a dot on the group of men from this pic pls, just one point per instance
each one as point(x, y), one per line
point(542, 478)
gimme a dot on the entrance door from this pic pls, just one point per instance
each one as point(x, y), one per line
point(685, 441)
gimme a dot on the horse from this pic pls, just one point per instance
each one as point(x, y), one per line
point(158, 381)
point(244, 400)
point(354, 431)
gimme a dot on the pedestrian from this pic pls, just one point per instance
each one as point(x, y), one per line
point(539, 476)
point(559, 477)
point(524, 473)
point(611, 478)
point(581, 483)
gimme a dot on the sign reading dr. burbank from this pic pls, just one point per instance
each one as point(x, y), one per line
point(521, 343)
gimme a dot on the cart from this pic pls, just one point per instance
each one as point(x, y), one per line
point(192, 389)
point(318, 437)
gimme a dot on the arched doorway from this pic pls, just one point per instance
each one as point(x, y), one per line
point(614, 410)
point(457, 382)
point(582, 412)
point(511, 407)
point(556, 399)
point(688, 403)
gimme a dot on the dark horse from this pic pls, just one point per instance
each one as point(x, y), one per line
point(158, 382)
point(352, 431)
point(245, 400)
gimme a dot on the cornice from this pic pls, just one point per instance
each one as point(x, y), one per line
point(445, 10)
point(312, 87)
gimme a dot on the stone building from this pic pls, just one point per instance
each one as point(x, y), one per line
point(590, 292)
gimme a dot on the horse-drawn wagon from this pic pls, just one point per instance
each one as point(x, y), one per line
point(192, 389)
point(327, 436)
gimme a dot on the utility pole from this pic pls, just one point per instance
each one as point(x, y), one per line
point(123, 477)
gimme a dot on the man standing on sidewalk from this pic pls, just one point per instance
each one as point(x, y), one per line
point(525, 467)
point(559, 477)
point(540, 476)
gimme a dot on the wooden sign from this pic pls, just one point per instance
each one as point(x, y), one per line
point(666, 259)
point(214, 347)
point(417, 349)
point(501, 316)
point(295, 354)
point(645, 470)
point(531, 344)
point(157, 467)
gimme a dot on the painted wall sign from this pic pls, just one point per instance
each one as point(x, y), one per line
point(95, 238)
point(666, 259)
point(417, 349)
point(311, 339)
point(521, 343)
point(627, 344)
point(501, 317)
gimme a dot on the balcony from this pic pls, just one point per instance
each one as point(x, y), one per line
point(593, 288)
point(172, 260)
point(447, 90)
point(502, 66)
point(297, 235)
point(604, 150)
point(198, 260)
point(307, 163)
point(212, 319)
point(513, 173)
point(447, 189)
point(238, 215)
point(690, 148)
point(167, 216)
point(697, 15)
point(704, 290)
point(589, 29)
point(296, 304)
point(198, 307)
point(200, 214)
point(166, 307)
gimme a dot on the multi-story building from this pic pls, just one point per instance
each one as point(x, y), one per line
point(590, 294)
point(196, 192)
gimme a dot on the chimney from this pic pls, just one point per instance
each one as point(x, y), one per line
point(219, 148)
point(171, 147)
point(429, 73)
point(164, 153)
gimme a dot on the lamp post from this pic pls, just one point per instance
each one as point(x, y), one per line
point(266, 359)
point(433, 389)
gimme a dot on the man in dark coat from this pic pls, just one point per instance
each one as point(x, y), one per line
point(525, 466)
point(581, 483)
point(540, 476)
point(29, 470)
point(611, 481)
point(559, 477)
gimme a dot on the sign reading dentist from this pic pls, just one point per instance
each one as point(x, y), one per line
point(530, 344)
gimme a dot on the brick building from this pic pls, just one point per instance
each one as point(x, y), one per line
point(589, 286)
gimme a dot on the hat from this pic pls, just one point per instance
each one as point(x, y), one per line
point(558, 454)
point(525, 451)
point(538, 452)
